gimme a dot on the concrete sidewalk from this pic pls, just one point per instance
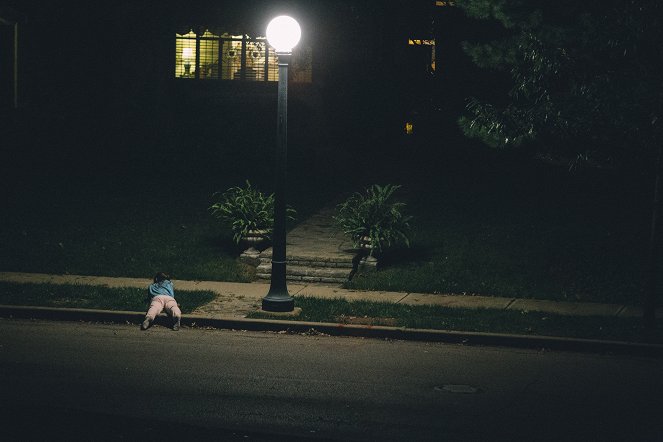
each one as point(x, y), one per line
point(236, 300)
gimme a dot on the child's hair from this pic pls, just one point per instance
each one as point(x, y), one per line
point(161, 276)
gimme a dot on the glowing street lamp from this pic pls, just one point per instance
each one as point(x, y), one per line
point(283, 34)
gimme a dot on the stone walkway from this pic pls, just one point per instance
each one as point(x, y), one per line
point(316, 251)
point(319, 237)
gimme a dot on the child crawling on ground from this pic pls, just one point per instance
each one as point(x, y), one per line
point(162, 296)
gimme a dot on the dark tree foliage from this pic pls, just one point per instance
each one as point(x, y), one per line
point(586, 84)
point(586, 78)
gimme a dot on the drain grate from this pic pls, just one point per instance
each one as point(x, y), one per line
point(456, 388)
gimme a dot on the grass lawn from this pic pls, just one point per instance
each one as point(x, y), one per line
point(535, 232)
point(92, 297)
point(118, 196)
point(476, 320)
point(134, 226)
point(98, 230)
point(484, 223)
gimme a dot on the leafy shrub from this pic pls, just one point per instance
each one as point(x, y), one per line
point(371, 217)
point(246, 209)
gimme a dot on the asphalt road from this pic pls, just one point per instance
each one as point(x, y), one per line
point(82, 381)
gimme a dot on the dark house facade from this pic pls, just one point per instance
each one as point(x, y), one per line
point(364, 72)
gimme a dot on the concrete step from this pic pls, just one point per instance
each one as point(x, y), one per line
point(307, 274)
point(316, 262)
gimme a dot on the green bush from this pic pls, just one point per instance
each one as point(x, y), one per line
point(373, 220)
point(246, 209)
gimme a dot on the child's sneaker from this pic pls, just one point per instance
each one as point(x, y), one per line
point(176, 324)
point(146, 324)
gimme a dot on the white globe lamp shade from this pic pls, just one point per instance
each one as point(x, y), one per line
point(283, 33)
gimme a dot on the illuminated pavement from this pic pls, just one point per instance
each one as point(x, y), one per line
point(236, 300)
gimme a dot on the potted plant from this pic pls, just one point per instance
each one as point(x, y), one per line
point(373, 220)
point(248, 212)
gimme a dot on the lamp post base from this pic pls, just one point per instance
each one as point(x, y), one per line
point(278, 303)
point(293, 314)
point(278, 299)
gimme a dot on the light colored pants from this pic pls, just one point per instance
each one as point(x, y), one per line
point(161, 302)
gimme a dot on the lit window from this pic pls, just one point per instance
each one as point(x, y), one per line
point(209, 56)
point(409, 128)
point(419, 42)
point(185, 55)
point(234, 57)
point(302, 57)
point(425, 42)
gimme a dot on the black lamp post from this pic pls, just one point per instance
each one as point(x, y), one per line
point(283, 33)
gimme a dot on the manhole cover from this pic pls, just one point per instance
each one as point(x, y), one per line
point(454, 388)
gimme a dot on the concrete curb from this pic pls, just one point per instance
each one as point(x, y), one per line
point(366, 331)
